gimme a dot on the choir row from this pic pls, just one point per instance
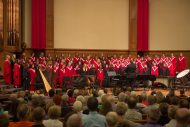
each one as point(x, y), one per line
point(16, 71)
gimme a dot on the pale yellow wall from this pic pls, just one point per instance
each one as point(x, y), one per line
point(169, 25)
point(91, 24)
point(27, 23)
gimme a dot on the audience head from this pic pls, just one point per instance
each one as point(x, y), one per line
point(100, 93)
point(70, 93)
point(38, 114)
point(121, 108)
point(159, 97)
point(182, 117)
point(172, 111)
point(65, 98)
point(106, 107)
point(51, 92)
point(153, 115)
point(121, 97)
point(92, 104)
point(54, 112)
point(81, 99)
point(132, 103)
point(57, 99)
point(151, 99)
point(174, 100)
point(183, 103)
point(74, 121)
point(38, 101)
point(23, 112)
point(163, 108)
point(77, 106)
point(4, 120)
point(112, 119)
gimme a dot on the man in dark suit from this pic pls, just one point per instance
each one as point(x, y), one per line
point(131, 73)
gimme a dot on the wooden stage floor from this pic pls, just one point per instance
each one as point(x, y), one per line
point(148, 91)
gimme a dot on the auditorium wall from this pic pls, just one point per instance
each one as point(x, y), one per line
point(169, 25)
point(91, 24)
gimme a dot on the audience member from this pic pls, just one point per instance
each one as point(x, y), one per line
point(153, 117)
point(171, 114)
point(131, 113)
point(152, 104)
point(94, 119)
point(112, 119)
point(182, 117)
point(24, 116)
point(164, 118)
point(54, 113)
point(38, 116)
point(74, 121)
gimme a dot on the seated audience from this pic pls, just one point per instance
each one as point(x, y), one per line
point(94, 119)
point(23, 113)
point(54, 113)
point(131, 113)
point(4, 120)
point(164, 118)
point(152, 104)
point(112, 119)
point(106, 107)
point(171, 114)
point(183, 103)
point(74, 121)
point(38, 116)
point(153, 117)
point(65, 109)
point(182, 117)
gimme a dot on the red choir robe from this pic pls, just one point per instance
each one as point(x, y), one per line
point(32, 73)
point(141, 67)
point(157, 61)
point(154, 71)
point(56, 75)
point(171, 69)
point(100, 76)
point(69, 73)
point(7, 71)
point(62, 73)
point(16, 75)
point(174, 62)
point(182, 63)
point(76, 59)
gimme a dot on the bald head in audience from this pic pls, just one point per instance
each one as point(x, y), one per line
point(74, 121)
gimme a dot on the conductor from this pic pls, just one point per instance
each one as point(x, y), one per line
point(130, 72)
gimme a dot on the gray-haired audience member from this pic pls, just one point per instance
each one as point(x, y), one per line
point(54, 113)
point(153, 117)
point(112, 119)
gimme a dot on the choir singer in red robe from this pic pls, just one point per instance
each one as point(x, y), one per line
point(7, 70)
point(100, 75)
point(32, 73)
point(16, 74)
point(182, 62)
point(154, 70)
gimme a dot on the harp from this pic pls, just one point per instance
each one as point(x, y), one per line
point(46, 84)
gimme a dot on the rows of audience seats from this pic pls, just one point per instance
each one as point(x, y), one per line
point(113, 107)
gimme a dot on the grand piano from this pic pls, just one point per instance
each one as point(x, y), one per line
point(129, 80)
